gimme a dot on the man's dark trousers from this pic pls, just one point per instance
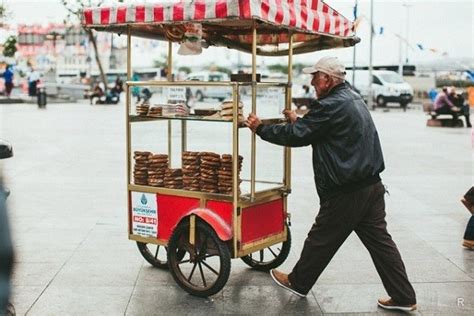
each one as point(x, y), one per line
point(362, 211)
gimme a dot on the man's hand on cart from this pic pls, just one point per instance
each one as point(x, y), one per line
point(252, 122)
point(290, 115)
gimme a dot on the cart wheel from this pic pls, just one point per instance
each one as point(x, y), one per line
point(156, 255)
point(271, 257)
point(205, 266)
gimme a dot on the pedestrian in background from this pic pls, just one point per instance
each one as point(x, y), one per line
point(347, 162)
point(459, 102)
point(136, 89)
point(33, 78)
point(8, 77)
point(432, 94)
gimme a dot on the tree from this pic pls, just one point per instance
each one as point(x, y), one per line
point(4, 14)
point(75, 8)
point(185, 69)
point(9, 47)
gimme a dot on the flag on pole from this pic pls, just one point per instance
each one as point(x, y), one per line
point(355, 10)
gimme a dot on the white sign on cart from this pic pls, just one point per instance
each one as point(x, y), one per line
point(144, 214)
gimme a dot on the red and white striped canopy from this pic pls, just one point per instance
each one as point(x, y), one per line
point(308, 20)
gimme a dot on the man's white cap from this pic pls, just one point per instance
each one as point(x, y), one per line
point(329, 65)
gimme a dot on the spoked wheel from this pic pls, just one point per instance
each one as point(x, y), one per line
point(156, 255)
point(205, 266)
point(271, 257)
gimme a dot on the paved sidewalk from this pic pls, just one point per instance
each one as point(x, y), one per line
point(69, 217)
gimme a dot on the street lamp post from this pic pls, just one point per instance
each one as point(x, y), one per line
point(407, 6)
point(370, 101)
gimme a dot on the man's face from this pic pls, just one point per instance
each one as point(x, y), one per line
point(321, 83)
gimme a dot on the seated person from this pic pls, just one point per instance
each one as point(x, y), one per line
point(98, 92)
point(443, 105)
point(458, 100)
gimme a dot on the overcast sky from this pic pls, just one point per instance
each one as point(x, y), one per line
point(446, 26)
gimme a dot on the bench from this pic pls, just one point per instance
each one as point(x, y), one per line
point(434, 121)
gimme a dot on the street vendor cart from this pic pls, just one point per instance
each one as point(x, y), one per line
point(190, 210)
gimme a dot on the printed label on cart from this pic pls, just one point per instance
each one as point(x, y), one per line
point(176, 94)
point(144, 214)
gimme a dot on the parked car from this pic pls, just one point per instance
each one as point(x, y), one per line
point(200, 93)
point(387, 86)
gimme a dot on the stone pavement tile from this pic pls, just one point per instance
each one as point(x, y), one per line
point(466, 265)
point(30, 254)
point(152, 276)
point(77, 299)
point(449, 298)
point(99, 274)
point(434, 271)
point(171, 300)
point(107, 255)
point(349, 272)
point(453, 249)
point(233, 300)
point(24, 296)
point(34, 274)
point(412, 247)
point(60, 239)
point(243, 275)
point(347, 298)
point(108, 236)
point(267, 300)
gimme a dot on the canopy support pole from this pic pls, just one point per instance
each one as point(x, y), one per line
point(287, 152)
point(128, 102)
point(128, 99)
point(254, 110)
point(169, 77)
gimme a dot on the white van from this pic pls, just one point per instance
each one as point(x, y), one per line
point(387, 86)
point(200, 93)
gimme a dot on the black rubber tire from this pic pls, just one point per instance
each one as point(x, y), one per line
point(199, 96)
point(214, 247)
point(278, 259)
point(153, 259)
point(381, 101)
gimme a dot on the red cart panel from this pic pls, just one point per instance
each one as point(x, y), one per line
point(222, 209)
point(171, 209)
point(263, 220)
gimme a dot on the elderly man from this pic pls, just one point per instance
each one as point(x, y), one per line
point(347, 161)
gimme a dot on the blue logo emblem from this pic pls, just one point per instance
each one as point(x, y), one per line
point(143, 199)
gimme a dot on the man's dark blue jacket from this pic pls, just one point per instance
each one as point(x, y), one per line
point(346, 149)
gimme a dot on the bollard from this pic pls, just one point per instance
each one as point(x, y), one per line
point(41, 98)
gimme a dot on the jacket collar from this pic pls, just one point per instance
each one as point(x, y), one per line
point(335, 89)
